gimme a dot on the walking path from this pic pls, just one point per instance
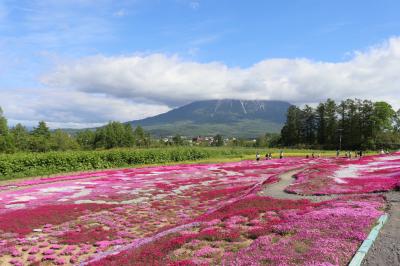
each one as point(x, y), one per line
point(277, 190)
point(386, 249)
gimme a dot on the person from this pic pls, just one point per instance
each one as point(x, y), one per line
point(257, 156)
point(382, 151)
point(312, 155)
point(281, 154)
point(319, 155)
point(307, 156)
point(349, 154)
point(266, 156)
point(270, 156)
point(337, 153)
point(361, 153)
point(345, 154)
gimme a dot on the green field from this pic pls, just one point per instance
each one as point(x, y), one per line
point(43, 164)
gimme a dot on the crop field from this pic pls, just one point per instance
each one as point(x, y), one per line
point(198, 214)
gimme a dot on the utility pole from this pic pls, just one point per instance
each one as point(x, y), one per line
point(340, 138)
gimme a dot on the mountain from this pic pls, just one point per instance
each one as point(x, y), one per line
point(239, 118)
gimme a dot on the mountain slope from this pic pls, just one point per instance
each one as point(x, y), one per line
point(241, 118)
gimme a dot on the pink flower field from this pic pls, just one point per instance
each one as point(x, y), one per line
point(204, 214)
point(346, 176)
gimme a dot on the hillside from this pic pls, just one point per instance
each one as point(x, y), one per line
point(240, 118)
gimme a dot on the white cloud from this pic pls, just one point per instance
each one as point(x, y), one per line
point(194, 5)
point(371, 74)
point(68, 108)
point(120, 13)
point(94, 90)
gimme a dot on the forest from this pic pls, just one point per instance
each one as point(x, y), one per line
point(350, 124)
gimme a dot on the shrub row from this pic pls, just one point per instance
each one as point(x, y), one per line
point(31, 164)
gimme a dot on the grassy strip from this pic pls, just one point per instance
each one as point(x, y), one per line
point(42, 164)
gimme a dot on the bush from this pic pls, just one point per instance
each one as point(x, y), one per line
point(31, 164)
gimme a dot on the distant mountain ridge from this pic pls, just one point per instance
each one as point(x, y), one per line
point(239, 118)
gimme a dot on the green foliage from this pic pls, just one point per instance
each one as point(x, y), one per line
point(41, 130)
point(114, 135)
point(352, 124)
point(218, 140)
point(21, 137)
point(3, 124)
point(62, 141)
point(86, 139)
point(177, 140)
point(31, 164)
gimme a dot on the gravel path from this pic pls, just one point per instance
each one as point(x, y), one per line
point(386, 249)
point(277, 190)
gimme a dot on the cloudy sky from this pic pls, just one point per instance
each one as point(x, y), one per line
point(79, 63)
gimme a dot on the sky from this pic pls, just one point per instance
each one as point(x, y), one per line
point(82, 63)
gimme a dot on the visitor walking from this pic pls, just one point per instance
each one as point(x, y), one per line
point(281, 154)
point(257, 156)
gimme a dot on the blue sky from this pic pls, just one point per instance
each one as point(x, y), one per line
point(140, 53)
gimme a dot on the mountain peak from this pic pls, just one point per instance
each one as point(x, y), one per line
point(230, 117)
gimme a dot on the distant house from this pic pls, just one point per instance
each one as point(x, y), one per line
point(198, 140)
point(202, 139)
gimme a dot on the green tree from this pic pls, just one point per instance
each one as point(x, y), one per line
point(396, 121)
point(20, 137)
point(62, 141)
point(86, 139)
point(177, 140)
point(113, 135)
point(218, 140)
point(3, 124)
point(6, 141)
point(40, 140)
point(41, 130)
point(331, 124)
point(290, 131)
point(142, 137)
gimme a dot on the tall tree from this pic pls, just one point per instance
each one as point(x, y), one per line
point(290, 131)
point(62, 141)
point(20, 137)
point(331, 124)
point(3, 123)
point(6, 142)
point(40, 141)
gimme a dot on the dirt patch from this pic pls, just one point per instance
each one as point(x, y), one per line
point(386, 249)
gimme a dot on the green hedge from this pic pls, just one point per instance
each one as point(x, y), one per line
point(34, 164)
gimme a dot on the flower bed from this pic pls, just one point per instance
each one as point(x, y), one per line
point(187, 214)
point(345, 176)
point(258, 230)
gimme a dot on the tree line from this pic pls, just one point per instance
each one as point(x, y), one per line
point(349, 124)
point(42, 139)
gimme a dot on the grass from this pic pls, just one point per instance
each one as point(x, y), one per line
point(214, 155)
